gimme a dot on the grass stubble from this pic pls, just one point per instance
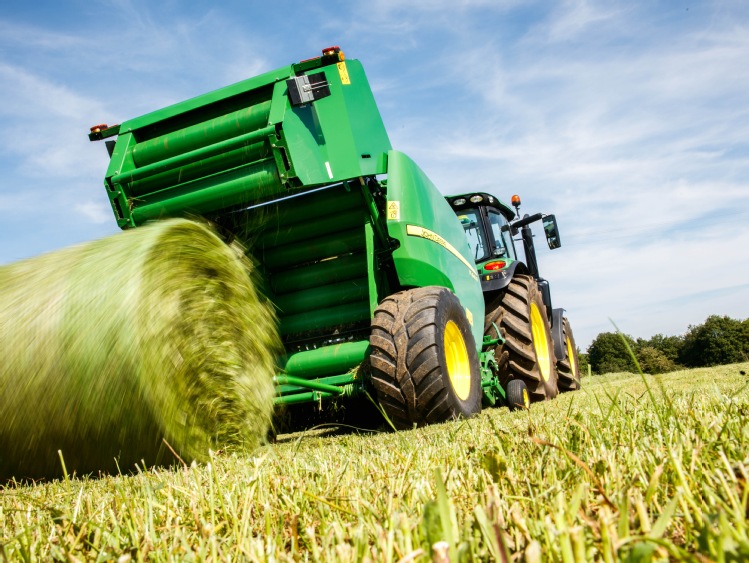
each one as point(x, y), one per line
point(631, 467)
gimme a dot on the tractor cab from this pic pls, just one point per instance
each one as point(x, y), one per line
point(489, 228)
point(485, 219)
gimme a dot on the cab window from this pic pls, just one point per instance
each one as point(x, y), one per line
point(471, 222)
point(503, 245)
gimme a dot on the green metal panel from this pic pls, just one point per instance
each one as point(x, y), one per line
point(311, 248)
point(316, 248)
point(330, 317)
point(339, 269)
point(338, 137)
point(433, 248)
point(323, 296)
point(290, 232)
point(122, 158)
point(328, 360)
point(330, 204)
point(376, 281)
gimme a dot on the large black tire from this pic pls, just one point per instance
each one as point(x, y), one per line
point(568, 367)
point(425, 367)
point(528, 352)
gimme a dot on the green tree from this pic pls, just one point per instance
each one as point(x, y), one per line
point(719, 340)
point(654, 361)
point(669, 346)
point(608, 353)
point(582, 359)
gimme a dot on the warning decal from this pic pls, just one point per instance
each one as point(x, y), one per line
point(394, 210)
point(343, 71)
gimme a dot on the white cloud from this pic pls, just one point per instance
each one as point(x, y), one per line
point(574, 17)
point(36, 37)
point(94, 211)
point(27, 96)
point(16, 200)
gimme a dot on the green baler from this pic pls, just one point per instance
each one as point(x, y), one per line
point(376, 284)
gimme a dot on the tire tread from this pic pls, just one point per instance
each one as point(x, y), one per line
point(406, 366)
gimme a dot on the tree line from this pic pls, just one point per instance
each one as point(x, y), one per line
point(717, 341)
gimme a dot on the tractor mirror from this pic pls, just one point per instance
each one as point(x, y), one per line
point(552, 232)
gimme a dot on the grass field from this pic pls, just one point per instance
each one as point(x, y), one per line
point(629, 467)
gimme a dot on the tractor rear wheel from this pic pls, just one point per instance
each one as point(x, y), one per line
point(425, 366)
point(528, 352)
point(568, 367)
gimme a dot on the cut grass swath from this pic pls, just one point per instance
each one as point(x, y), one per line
point(113, 346)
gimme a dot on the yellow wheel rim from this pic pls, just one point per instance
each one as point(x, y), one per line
point(540, 342)
point(571, 356)
point(456, 358)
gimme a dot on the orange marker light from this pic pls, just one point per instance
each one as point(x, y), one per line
point(516, 200)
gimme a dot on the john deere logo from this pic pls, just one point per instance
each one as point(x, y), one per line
point(414, 231)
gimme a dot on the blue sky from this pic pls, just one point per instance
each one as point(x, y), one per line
point(629, 120)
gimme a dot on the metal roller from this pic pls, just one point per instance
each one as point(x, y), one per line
point(315, 248)
point(239, 186)
point(289, 233)
point(200, 169)
point(306, 277)
point(324, 296)
point(202, 134)
point(331, 316)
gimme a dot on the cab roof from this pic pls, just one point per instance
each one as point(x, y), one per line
point(471, 200)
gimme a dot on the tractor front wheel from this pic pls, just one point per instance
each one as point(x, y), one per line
point(517, 395)
point(528, 351)
point(425, 366)
point(568, 367)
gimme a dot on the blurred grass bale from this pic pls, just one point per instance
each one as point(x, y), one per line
point(113, 346)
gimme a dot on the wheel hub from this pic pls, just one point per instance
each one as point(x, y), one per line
point(540, 342)
point(571, 356)
point(456, 359)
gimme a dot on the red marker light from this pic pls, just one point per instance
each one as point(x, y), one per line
point(100, 127)
point(494, 266)
point(331, 50)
